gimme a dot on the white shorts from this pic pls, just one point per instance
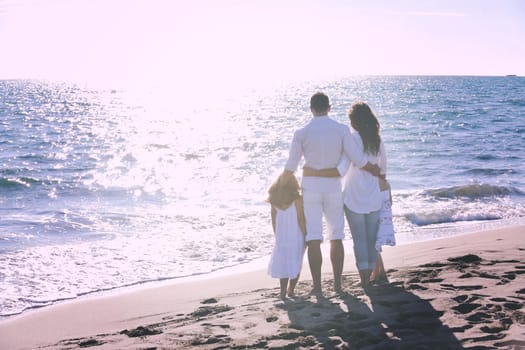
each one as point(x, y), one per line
point(331, 205)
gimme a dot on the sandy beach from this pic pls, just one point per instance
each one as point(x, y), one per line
point(465, 292)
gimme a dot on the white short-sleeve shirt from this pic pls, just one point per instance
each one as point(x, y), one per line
point(361, 193)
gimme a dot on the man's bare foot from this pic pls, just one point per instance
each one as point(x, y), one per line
point(317, 291)
point(291, 293)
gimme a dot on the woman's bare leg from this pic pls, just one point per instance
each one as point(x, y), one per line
point(379, 273)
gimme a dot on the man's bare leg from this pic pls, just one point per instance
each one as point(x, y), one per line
point(337, 256)
point(315, 260)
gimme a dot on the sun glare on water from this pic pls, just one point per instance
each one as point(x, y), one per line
point(167, 147)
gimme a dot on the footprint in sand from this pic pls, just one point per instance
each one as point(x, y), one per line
point(519, 317)
point(495, 328)
point(433, 280)
point(466, 308)
point(466, 287)
point(479, 317)
point(461, 298)
point(90, 342)
point(272, 318)
point(140, 332)
point(490, 337)
point(209, 301)
point(511, 305)
point(210, 310)
point(466, 259)
point(416, 287)
point(511, 344)
point(498, 300)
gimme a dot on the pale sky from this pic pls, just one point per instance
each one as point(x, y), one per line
point(195, 42)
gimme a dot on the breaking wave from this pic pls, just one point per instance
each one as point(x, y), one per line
point(425, 219)
point(474, 191)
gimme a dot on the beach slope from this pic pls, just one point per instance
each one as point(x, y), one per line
point(455, 293)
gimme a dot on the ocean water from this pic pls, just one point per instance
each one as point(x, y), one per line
point(101, 188)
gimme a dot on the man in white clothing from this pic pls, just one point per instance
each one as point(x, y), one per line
point(322, 143)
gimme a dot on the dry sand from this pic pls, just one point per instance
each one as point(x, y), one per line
point(465, 292)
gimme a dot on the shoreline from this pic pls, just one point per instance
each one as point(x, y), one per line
point(97, 318)
point(261, 263)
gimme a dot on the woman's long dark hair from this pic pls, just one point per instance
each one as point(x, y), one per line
point(366, 124)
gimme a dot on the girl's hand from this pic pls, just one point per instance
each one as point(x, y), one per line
point(383, 184)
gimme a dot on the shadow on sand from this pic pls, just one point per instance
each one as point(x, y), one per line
point(389, 317)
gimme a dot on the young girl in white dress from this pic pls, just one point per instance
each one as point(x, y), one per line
point(290, 229)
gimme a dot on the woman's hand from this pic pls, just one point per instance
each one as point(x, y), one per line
point(373, 169)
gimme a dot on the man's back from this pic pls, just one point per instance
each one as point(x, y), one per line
point(320, 142)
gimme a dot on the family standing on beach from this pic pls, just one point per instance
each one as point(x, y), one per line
point(331, 150)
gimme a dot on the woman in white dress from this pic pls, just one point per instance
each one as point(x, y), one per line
point(289, 227)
